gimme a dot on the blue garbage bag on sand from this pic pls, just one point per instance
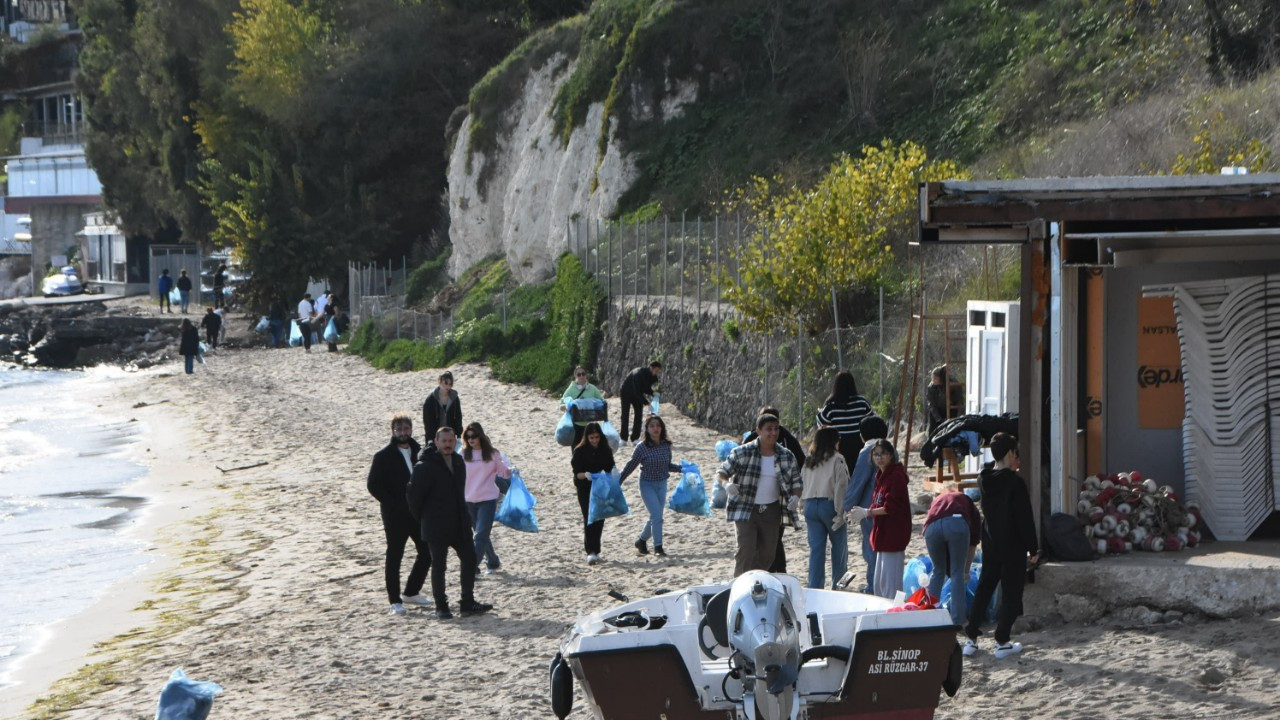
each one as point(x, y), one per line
point(607, 498)
point(186, 699)
point(516, 510)
point(331, 331)
point(690, 496)
point(564, 430)
point(723, 448)
point(911, 574)
point(295, 334)
point(970, 590)
point(611, 434)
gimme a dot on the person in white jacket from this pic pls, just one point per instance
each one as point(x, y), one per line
point(826, 477)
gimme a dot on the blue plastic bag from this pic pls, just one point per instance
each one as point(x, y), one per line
point(611, 434)
point(516, 510)
point(564, 430)
point(690, 496)
point(263, 325)
point(654, 402)
point(607, 498)
point(295, 334)
point(186, 699)
point(970, 590)
point(911, 574)
point(723, 448)
point(331, 331)
point(720, 496)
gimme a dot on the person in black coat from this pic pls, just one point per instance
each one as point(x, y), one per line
point(212, 324)
point(442, 408)
point(388, 477)
point(184, 290)
point(636, 390)
point(1008, 537)
point(591, 455)
point(790, 442)
point(437, 500)
point(189, 345)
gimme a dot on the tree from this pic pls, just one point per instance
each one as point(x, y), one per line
point(842, 233)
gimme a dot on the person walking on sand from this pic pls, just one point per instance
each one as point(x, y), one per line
point(890, 513)
point(843, 410)
point(331, 316)
point(654, 458)
point(762, 479)
point(437, 500)
point(825, 477)
point(1008, 537)
point(789, 441)
point(578, 389)
point(164, 286)
point(212, 324)
point(184, 291)
point(952, 530)
point(219, 285)
point(637, 389)
point(591, 455)
point(388, 477)
point(443, 408)
point(484, 466)
point(189, 345)
point(862, 484)
point(307, 313)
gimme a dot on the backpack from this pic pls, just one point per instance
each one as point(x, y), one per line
point(1064, 539)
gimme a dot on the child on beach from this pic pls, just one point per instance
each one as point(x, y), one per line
point(591, 455)
point(654, 458)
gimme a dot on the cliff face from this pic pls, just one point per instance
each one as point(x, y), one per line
point(516, 200)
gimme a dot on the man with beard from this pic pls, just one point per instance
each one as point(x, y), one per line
point(388, 478)
point(437, 498)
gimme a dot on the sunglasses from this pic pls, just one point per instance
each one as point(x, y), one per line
point(470, 437)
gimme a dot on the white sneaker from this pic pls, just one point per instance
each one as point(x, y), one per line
point(970, 647)
point(397, 609)
point(419, 600)
point(592, 558)
point(1007, 649)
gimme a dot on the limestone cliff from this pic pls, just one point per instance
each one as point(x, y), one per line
point(515, 199)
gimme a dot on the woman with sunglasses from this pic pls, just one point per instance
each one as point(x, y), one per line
point(484, 466)
point(591, 455)
point(890, 514)
point(578, 389)
point(654, 458)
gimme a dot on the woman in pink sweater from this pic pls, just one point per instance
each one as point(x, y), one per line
point(484, 466)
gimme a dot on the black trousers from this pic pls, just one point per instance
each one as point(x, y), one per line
point(464, 546)
point(305, 327)
point(780, 553)
point(634, 404)
point(592, 532)
point(398, 533)
point(1011, 575)
point(211, 337)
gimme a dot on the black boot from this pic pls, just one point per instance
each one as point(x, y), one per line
point(643, 547)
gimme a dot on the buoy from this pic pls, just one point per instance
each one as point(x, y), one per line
point(1082, 507)
point(561, 687)
point(1124, 479)
point(1100, 530)
point(1101, 546)
point(1153, 543)
point(1124, 509)
point(1110, 522)
point(1115, 545)
point(1095, 514)
point(1149, 485)
point(1122, 528)
point(1193, 538)
point(1108, 484)
point(1137, 535)
point(1135, 477)
point(1172, 543)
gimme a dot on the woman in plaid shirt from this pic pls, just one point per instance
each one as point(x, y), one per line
point(654, 458)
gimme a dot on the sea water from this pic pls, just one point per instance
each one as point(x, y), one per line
point(65, 508)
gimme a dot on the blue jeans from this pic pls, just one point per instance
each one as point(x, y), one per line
point(868, 555)
point(819, 515)
point(190, 362)
point(654, 495)
point(481, 523)
point(277, 332)
point(184, 299)
point(947, 540)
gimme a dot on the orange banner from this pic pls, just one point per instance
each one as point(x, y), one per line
point(1160, 387)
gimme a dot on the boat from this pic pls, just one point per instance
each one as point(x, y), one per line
point(760, 648)
point(64, 282)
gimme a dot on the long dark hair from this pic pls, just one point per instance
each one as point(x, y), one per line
point(825, 443)
point(888, 447)
point(844, 388)
point(662, 437)
point(486, 448)
point(592, 427)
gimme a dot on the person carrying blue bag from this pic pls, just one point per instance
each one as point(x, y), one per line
point(690, 496)
point(579, 389)
point(654, 458)
point(591, 455)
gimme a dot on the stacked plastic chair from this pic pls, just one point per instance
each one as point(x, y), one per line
point(1229, 332)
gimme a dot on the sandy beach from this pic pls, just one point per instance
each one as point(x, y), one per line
point(270, 577)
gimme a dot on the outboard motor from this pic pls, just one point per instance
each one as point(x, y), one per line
point(764, 635)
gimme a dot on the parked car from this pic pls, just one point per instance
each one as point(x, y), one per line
point(64, 282)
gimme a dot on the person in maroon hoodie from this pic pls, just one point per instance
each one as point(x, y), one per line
point(890, 514)
point(952, 530)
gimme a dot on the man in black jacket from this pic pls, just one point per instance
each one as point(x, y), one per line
point(1008, 536)
point(442, 408)
point(637, 388)
point(388, 478)
point(437, 499)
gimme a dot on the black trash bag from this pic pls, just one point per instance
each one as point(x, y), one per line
point(1064, 539)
